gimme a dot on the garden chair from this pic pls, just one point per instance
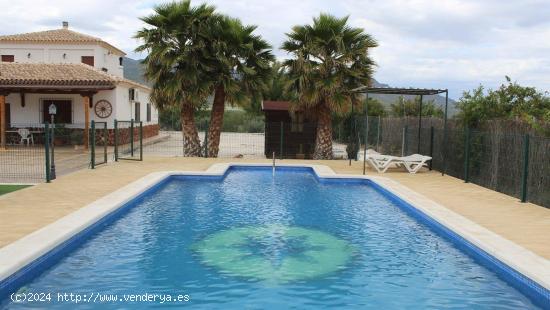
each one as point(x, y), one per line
point(26, 136)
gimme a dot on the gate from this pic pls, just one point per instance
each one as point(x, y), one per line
point(99, 140)
point(128, 140)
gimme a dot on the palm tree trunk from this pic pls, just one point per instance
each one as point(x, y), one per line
point(191, 142)
point(323, 139)
point(216, 122)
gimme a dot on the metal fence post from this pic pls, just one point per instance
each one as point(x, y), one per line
point(116, 140)
point(431, 147)
point(378, 135)
point(47, 150)
point(281, 142)
point(525, 168)
point(467, 156)
point(92, 144)
point(105, 141)
point(405, 142)
point(140, 141)
point(367, 131)
point(206, 140)
point(132, 137)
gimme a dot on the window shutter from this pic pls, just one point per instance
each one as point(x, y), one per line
point(88, 60)
point(8, 58)
point(137, 107)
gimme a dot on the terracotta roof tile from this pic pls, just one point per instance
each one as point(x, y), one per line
point(70, 75)
point(58, 36)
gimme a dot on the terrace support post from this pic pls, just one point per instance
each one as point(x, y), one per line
point(3, 121)
point(116, 139)
point(140, 141)
point(431, 147)
point(419, 124)
point(467, 156)
point(282, 138)
point(86, 101)
point(92, 153)
point(47, 151)
point(445, 135)
point(366, 134)
point(524, 175)
point(132, 137)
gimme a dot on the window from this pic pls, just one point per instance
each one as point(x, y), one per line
point(89, 60)
point(64, 114)
point(8, 58)
point(120, 59)
point(137, 112)
point(148, 112)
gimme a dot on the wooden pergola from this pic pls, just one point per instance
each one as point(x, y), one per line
point(26, 78)
point(406, 91)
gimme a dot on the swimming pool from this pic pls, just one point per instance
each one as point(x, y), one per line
point(253, 240)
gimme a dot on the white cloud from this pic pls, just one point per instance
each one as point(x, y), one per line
point(455, 44)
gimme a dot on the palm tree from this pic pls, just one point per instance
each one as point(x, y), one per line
point(330, 58)
point(240, 68)
point(276, 89)
point(175, 63)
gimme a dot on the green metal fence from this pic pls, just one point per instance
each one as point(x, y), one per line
point(514, 164)
point(99, 144)
point(128, 140)
point(23, 161)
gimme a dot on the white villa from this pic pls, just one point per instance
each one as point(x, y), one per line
point(80, 74)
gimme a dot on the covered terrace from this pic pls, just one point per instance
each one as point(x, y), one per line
point(24, 79)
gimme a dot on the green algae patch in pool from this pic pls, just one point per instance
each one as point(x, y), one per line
point(274, 253)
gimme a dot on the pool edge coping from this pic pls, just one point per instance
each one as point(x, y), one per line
point(16, 255)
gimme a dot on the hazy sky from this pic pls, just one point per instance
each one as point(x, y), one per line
point(455, 44)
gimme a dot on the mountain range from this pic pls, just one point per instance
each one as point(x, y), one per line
point(133, 70)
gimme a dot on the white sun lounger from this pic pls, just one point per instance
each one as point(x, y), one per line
point(414, 162)
point(381, 163)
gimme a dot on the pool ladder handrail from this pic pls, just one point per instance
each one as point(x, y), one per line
point(273, 163)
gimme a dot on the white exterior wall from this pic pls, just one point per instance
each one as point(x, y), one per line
point(123, 109)
point(53, 53)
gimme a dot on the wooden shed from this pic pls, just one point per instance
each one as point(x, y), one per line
point(290, 134)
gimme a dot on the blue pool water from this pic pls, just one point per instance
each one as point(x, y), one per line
point(253, 241)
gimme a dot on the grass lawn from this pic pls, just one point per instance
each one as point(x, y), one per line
point(4, 189)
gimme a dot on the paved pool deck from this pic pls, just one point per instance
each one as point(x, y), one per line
point(29, 209)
